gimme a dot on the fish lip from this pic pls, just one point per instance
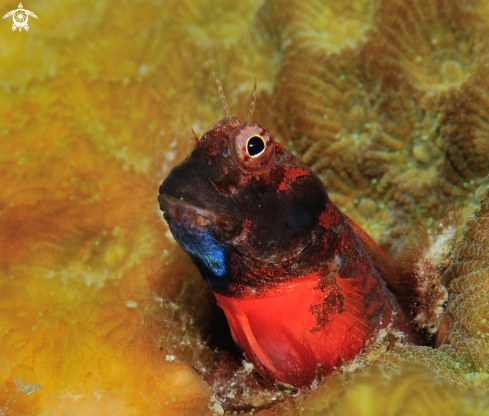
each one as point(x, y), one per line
point(180, 212)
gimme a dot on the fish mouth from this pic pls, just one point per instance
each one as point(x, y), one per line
point(182, 214)
point(180, 211)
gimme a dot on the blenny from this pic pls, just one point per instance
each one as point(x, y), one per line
point(302, 286)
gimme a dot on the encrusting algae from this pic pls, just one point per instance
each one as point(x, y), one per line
point(388, 101)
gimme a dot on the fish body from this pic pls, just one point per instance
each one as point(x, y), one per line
point(303, 288)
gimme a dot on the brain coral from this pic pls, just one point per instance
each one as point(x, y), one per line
point(387, 100)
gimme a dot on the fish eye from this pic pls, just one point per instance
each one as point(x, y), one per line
point(255, 145)
point(253, 149)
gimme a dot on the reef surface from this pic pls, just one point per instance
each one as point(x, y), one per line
point(101, 312)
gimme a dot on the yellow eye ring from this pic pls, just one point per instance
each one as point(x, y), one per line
point(255, 145)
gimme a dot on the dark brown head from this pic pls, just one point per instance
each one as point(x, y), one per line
point(241, 205)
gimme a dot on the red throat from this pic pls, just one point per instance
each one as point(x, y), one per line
point(280, 334)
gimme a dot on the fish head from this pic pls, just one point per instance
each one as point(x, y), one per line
point(241, 201)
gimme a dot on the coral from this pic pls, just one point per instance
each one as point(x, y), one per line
point(387, 100)
point(93, 113)
point(469, 301)
point(95, 349)
point(392, 112)
point(410, 390)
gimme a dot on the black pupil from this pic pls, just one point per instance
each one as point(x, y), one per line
point(256, 145)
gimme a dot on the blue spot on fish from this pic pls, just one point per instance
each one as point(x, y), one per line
point(204, 247)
